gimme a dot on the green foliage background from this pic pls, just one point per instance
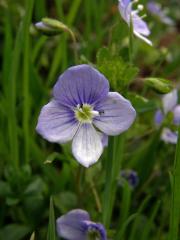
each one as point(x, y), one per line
point(32, 170)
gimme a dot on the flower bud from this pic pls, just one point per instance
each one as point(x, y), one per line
point(49, 26)
point(160, 85)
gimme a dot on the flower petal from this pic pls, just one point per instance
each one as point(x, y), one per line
point(169, 101)
point(97, 227)
point(71, 226)
point(140, 26)
point(104, 139)
point(143, 38)
point(156, 9)
point(168, 136)
point(56, 123)
point(125, 9)
point(176, 112)
point(87, 145)
point(116, 114)
point(80, 84)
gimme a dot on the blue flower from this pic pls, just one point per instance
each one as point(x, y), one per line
point(140, 28)
point(76, 225)
point(130, 176)
point(155, 9)
point(85, 112)
point(170, 104)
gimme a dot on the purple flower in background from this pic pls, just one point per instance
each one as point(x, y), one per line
point(84, 111)
point(140, 28)
point(170, 105)
point(130, 176)
point(155, 9)
point(169, 136)
point(76, 225)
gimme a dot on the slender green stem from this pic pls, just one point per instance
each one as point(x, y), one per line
point(131, 41)
point(175, 201)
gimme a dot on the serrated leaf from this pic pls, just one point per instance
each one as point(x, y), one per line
point(118, 72)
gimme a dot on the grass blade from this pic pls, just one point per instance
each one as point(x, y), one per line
point(112, 168)
point(26, 105)
point(150, 221)
point(51, 235)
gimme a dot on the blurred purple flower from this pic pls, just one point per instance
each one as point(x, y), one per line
point(84, 111)
point(76, 225)
point(155, 9)
point(130, 176)
point(168, 136)
point(170, 104)
point(140, 28)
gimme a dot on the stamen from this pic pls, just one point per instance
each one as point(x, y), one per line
point(140, 7)
point(95, 113)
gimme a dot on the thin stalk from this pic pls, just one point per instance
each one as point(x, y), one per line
point(175, 201)
point(96, 196)
point(131, 41)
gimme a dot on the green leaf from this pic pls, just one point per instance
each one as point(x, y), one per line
point(36, 186)
point(14, 232)
point(119, 73)
point(65, 201)
point(51, 235)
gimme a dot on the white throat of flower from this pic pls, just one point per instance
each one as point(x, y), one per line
point(93, 234)
point(84, 113)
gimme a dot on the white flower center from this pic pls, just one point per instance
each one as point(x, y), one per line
point(85, 113)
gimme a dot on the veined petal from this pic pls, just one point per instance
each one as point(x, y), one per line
point(116, 114)
point(87, 146)
point(56, 123)
point(169, 101)
point(80, 84)
point(140, 26)
point(71, 226)
point(176, 113)
point(125, 9)
point(168, 136)
point(104, 139)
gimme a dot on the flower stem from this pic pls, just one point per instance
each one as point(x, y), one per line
point(96, 196)
point(131, 41)
point(175, 201)
point(112, 168)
